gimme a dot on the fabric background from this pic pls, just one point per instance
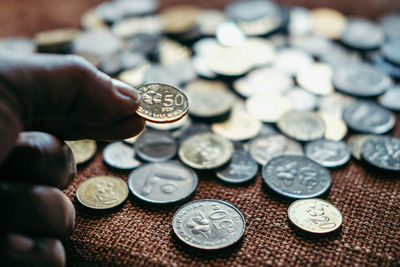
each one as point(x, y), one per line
point(139, 235)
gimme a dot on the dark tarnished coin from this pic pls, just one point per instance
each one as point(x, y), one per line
point(302, 125)
point(315, 216)
point(391, 98)
point(328, 153)
point(355, 143)
point(208, 224)
point(241, 168)
point(296, 177)
point(121, 156)
point(361, 80)
point(206, 151)
point(162, 103)
point(264, 148)
point(368, 117)
point(155, 146)
point(162, 182)
point(362, 34)
point(382, 152)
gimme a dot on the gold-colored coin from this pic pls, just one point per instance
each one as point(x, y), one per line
point(90, 20)
point(336, 128)
point(128, 27)
point(135, 76)
point(328, 22)
point(316, 78)
point(162, 103)
point(102, 192)
point(206, 151)
point(179, 19)
point(268, 107)
point(83, 150)
point(355, 143)
point(54, 40)
point(172, 52)
point(315, 216)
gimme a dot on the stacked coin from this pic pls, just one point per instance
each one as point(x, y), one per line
point(227, 91)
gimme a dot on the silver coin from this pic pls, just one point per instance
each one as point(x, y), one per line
point(302, 100)
point(299, 21)
point(334, 104)
point(302, 125)
point(121, 156)
point(368, 117)
point(208, 224)
point(106, 43)
point(382, 152)
point(391, 25)
point(355, 143)
point(362, 34)
point(162, 182)
point(312, 44)
point(296, 177)
point(391, 98)
point(391, 51)
point(385, 66)
point(328, 153)
point(262, 149)
point(361, 80)
point(251, 10)
point(229, 34)
point(291, 60)
point(242, 168)
point(155, 146)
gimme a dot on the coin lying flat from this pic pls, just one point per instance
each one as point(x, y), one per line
point(296, 177)
point(362, 34)
point(242, 168)
point(315, 216)
point(391, 98)
point(334, 104)
point(208, 224)
point(268, 107)
point(162, 182)
point(179, 19)
point(336, 128)
point(355, 143)
point(302, 100)
point(120, 156)
point(382, 152)
point(83, 150)
point(205, 151)
point(302, 125)
point(155, 146)
point(316, 78)
point(368, 117)
point(264, 148)
point(162, 103)
point(328, 22)
point(328, 153)
point(102, 192)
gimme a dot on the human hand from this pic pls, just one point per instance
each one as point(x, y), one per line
point(61, 96)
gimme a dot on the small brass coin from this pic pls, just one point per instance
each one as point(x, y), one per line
point(162, 103)
point(315, 216)
point(336, 128)
point(328, 22)
point(179, 19)
point(83, 150)
point(355, 143)
point(316, 78)
point(102, 192)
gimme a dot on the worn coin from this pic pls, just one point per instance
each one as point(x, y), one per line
point(391, 98)
point(268, 107)
point(355, 143)
point(162, 103)
point(328, 153)
point(121, 156)
point(102, 192)
point(315, 216)
point(361, 80)
point(162, 182)
point(336, 128)
point(296, 176)
point(302, 125)
point(368, 117)
point(83, 150)
point(382, 152)
point(206, 151)
point(242, 168)
point(155, 146)
point(316, 78)
point(362, 34)
point(208, 224)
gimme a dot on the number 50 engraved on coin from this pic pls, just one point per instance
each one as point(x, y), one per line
point(162, 103)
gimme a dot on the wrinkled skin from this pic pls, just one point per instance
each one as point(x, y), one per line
point(45, 99)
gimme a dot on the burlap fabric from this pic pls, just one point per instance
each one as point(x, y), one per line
point(139, 235)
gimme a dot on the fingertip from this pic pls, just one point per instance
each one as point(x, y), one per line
point(127, 91)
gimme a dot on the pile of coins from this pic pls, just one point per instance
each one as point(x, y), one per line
point(263, 85)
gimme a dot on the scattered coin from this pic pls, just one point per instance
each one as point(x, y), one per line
point(208, 21)
point(179, 19)
point(162, 103)
point(208, 224)
point(242, 168)
point(229, 34)
point(162, 182)
point(328, 22)
point(55, 41)
point(291, 61)
point(316, 78)
point(194, 129)
point(133, 139)
point(107, 43)
point(334, 104)
point(355, 143)
point(263, 148)
point(302, 100)
point(328, 153)
point(169, 126)
point(268, 107)
point(336, 128)
point(315, 216)
point(385, 66)
point(368, 117)
point(102, 192)
point(302, 125)
point(390, 25)
point(391, 98)
point(83, 150)
point(391, 51)
point(205, 151)
point(299, 21)
point(362, 34)
point(120, 156)
point(382, 152)
point(155, 146)
point(296, 177)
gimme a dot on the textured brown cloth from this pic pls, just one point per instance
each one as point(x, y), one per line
point(139, 235)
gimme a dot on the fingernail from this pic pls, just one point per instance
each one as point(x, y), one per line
point(127, 91)
point(20, 243)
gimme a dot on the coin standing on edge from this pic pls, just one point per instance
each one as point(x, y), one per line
point(242, 168)
point(102, 192)
point(162, 103)
point(328, 153)
point(315, 216)
point(120, 156)
point(382, 152)
point(83, 150)
point(208, 224)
